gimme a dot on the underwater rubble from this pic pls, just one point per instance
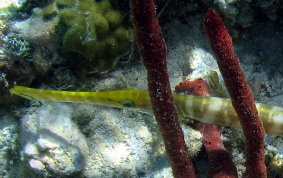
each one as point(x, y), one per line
point(53, 139)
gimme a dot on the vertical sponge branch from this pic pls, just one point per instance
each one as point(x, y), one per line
point(152, 49)
point(240, 93)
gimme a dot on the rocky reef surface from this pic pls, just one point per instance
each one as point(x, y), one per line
point(52, 144)
point(52, 139)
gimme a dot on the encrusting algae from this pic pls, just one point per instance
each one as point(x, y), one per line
point(212, 110)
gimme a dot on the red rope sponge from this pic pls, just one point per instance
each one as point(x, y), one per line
point(219, 160)
point(152, 49)
point(240, 93)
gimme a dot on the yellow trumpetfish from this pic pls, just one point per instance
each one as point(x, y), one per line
point(212, 110)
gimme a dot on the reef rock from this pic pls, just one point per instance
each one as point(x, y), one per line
point(247, 12)
point(125, 143)
point(52, 144)
point(8, 145)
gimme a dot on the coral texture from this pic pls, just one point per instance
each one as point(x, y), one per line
point(13, 69)
point(240, 93)
point(152, 49)
point(14, 66)
point(246, 13)
point(94, 30)
point(52, 143)
point(8, 144)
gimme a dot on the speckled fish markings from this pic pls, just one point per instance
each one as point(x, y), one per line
point(212, 110)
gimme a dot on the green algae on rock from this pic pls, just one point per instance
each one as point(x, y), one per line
point(94, 31)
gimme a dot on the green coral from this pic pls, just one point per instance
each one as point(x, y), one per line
point(94, 30)
point(50, 10)
point(65, 2)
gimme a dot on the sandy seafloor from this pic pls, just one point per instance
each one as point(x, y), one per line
point(52, 139)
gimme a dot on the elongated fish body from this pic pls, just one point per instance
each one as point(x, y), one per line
point(212, 110)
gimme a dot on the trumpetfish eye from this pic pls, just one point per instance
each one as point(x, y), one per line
point(128, 103)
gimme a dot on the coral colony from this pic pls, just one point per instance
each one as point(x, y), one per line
point(95, 31)
point(152, 49)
